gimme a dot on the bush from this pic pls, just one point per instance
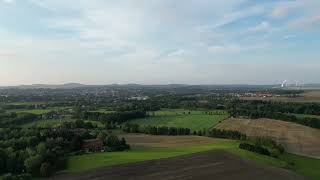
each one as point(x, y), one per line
point(16, 177)
point(254, 148)
point(217, 133)
point(33, 164)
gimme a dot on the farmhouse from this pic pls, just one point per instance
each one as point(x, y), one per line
point(92, 145)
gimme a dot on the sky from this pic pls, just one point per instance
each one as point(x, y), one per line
point(159, 41)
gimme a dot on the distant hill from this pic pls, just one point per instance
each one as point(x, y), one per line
point(52, 86)
point(164, 86)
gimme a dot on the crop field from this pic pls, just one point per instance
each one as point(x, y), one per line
point(143, 153)
point(296, 138)
point(307, 96)
point(180, 148)
point(215, 164)
point(195, 120)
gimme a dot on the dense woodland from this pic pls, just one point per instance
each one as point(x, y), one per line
point(41, 152)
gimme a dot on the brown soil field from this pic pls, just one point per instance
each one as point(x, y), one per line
point(307, 96)
point(315, 94)
point(205, 166)
point(144, 140)
point(296, 138)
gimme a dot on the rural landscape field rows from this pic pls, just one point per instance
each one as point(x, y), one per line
point(295, 138)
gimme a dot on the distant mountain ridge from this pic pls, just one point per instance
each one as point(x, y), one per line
point(49, 86)
point(79, 85)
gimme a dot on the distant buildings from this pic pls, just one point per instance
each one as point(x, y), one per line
point(138, 98)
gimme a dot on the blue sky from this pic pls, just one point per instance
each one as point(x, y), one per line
point(159, 41)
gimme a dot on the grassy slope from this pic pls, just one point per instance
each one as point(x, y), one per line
point(92, 161)
point(196, 120)
point(308, 167)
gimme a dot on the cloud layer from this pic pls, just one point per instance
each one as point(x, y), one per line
point(161, 41)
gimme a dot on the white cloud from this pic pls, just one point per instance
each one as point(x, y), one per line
point(124, 41)
point(231, 48)
point(283, 9)
point(263, 26)
point(177, 52)
point(306, 22)
point(8, 1)
point(289, 36)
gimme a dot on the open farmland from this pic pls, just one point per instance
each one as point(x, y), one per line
point(296, 138)
point(307, 97)
point(195, 120)
point(150, 141)
point(37, 111)
point(206, 165)
point(147, 147)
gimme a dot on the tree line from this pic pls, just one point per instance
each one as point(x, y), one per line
point(155, 130)
point(280, 107)
point(13, 119)
point(33, 152)
point(164, 130)
point(264, 146)
point(227, 134)
point(252, 114)
point(114, 117)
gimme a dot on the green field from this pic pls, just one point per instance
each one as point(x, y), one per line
point(37, 111)
point(96, 160)
point(307, 167)
point(196, 120)
point(307, 116)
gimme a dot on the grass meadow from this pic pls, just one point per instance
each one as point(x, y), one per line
point(195, 120)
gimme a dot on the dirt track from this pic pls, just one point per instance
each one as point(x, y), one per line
point(294, 137)
point(204, 166)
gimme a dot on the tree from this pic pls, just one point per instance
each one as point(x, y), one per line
point(76, 143)
point(33, 164)
point(123, 141)
point(102, 136)
point(41, 148)
point(3, 157)
point(113, 141)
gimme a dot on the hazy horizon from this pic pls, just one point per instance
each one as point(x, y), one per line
point(159, 42)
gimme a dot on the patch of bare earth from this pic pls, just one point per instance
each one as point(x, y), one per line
point(294, 137)
point(145, 140)
point(205, 166)
point(307, 96)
